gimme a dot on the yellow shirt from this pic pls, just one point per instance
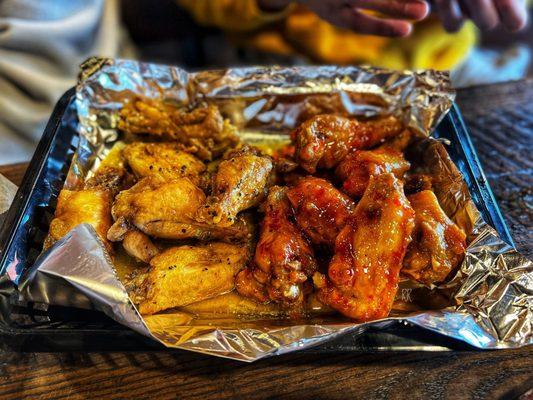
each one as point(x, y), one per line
point(297, 30)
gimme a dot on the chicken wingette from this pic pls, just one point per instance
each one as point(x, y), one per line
point(166, 209)
point(187, 274)
point(356, 169)
point(283, 260)
point(438, 244)
point(203, 129)
point(324, 140)
point(363, 274)
point(166, 159)
point(320, 209)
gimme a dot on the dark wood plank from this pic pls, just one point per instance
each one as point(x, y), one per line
point(500, 120)
point(14, 172)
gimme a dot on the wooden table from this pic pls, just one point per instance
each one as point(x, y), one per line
point(500, 118)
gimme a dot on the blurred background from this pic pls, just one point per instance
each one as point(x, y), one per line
point(42, 43)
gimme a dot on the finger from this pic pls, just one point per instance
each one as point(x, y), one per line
point(410, 9)
point(366, 24)
point(450, 14)
point(483, 13)
point(513, 13)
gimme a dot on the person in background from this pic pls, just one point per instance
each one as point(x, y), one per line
point(396, 34)
point(42, 42)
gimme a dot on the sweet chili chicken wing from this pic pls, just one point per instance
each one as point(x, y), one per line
point(166, 159)
point(364, 271)
point(203, 129)
point(166, 209)
point(324, 140)
point(283, 258)
point(241, 182)
point(438, 244)
point(187, 274)
point(356, 169)
point(320, 209)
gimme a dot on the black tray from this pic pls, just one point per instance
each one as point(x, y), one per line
point(34, 327)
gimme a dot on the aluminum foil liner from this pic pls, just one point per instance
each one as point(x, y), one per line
point(488, 304)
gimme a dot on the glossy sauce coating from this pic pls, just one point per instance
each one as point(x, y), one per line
point(364, 272)
point(320, 209)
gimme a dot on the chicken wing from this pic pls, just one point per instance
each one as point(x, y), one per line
point(203, 128)
point(321, 210)
point(438, 244)
point(187, 274)
point(283, 258)
point(324, 140)
point(166, 209)
point(166, 159)
point(356, 169)
point(90, 206)
point(241, 182)
point(364, 272)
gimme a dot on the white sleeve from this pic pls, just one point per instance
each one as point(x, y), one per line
point(42, 43)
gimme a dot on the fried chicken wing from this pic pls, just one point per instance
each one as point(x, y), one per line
point(438, 244)
point(321, 210)
point(356, 169)
point(89, 206)
point(364, 272)
point(324, 140)
point(203, 128)
point(241, 182)
point(187, 274)
point(139, 245)
point(283, 258)
point(166, 159)
point(166, 209)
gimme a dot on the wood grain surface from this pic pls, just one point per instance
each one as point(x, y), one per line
point(500, 119)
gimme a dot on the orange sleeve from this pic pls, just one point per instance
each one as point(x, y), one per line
point(231, 15)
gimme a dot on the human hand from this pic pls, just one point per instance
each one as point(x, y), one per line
point(350, 14)
point(486, 14)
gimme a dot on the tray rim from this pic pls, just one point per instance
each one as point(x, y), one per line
point(20, 204)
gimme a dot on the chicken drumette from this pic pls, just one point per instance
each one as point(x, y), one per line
point(241, 182)
point(283, 258)
point(321, 210)
point(324, 140)
point(438, 244)
point(364, 272)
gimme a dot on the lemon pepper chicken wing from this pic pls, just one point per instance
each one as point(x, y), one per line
point(166, 209)
point(166, 159)
point(241, 182)
point(283, 258)
point(438, 244)
point(320, 209)
point(324, 140)
point(187, 274)
point(203, 128)
point(364, 272)
point(356, 169)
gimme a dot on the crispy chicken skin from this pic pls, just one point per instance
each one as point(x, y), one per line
point(438, 244)
point(187, 274)
point(320, 209)
point(364, 272)
point(166, 209)
point(139, 245)
point(90, 206)
point(203, 129)
point(283, 258)
point(356, 169)
point(324, 140)
point(241, 182)
point(166, 159)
